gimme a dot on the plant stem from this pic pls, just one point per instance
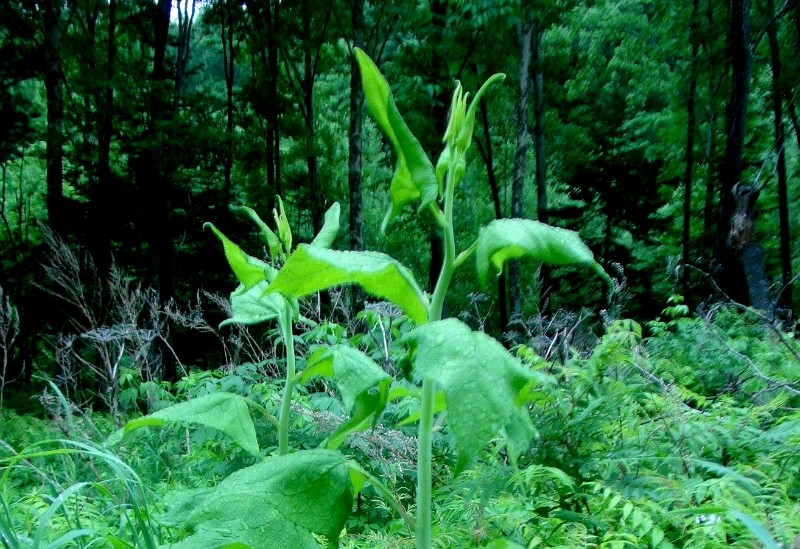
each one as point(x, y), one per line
point(424, 536)
point(285, 327)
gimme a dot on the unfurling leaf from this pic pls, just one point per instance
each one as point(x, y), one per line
point(311, 269)
point(504, 239)
point(482, 383)
point(249, 270)
point(363, 384)
point(281, 502)
point(330, 228)
point(272, 240)
point(414, 177)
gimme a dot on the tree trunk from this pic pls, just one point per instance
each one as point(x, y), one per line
point(688, 174)
point(783, 200)
point(488, 159)
point(105, 187)
point(273, 20)
point(736, 278)
point(157, 183)
point(525, 34)
point(541, 157)
point(54, 154)
point(317, 204)
point(355, 148)
point(228, 65)
point(710, 149)
point(185, 22)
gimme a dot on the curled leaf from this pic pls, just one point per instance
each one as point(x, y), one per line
point(414, 177)
point(505, 239)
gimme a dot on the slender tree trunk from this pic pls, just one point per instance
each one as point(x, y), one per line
point(525, 34)
point(691, 125)
point(738, 267)
point(541, 156)
point(156, 181)
point(185, 22)
point(105, 220)
point(710, 149)
point(273, 20)
point(488, 158)
point(54, 154)
point(228, 63)
point(355, 146)
point(317, 205)
point(783, 200)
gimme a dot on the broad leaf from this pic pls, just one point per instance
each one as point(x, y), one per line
point(249, 270)
point(363, 384)
point(414, 177)
point(254, 306)
point(280, 502)
point(311, 269)
point(504, 239)
point(330, 228)
point(482, 383)
point(225, 412)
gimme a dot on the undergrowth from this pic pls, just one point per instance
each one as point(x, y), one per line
point(686, 435)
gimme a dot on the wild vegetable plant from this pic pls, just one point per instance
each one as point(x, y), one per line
point(468, 374)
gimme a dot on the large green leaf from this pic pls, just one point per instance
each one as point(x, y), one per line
point(414, 177)
point(482, 383)
point(254, 306)
point(249, 270)
point(225, 412)
point(311, 269)
point(280, 503)
point(363, 384)
point(504, 239)
point(330, 228)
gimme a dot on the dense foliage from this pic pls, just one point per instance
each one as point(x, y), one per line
point(628, 159)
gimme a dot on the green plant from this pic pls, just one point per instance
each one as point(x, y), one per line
point(468, 374)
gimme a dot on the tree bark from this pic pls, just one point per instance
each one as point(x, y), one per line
point(691, 124)
point(736, 270)
point(229, 66)
point(156, 181)
point(54, 155)
point(185, 22)
point(317, 205)
point(525, 34)
point(354, 179)
point(541, 157)
point(783, 200)
point(486, 153)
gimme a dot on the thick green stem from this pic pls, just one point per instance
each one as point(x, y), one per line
point(285, 326)
point(424, 536)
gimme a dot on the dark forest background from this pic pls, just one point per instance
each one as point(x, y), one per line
point(665, 132)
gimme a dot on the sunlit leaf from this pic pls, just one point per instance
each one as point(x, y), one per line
point(505, 239)
point(414, 177)
point(311, 269)
point(280, 502)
